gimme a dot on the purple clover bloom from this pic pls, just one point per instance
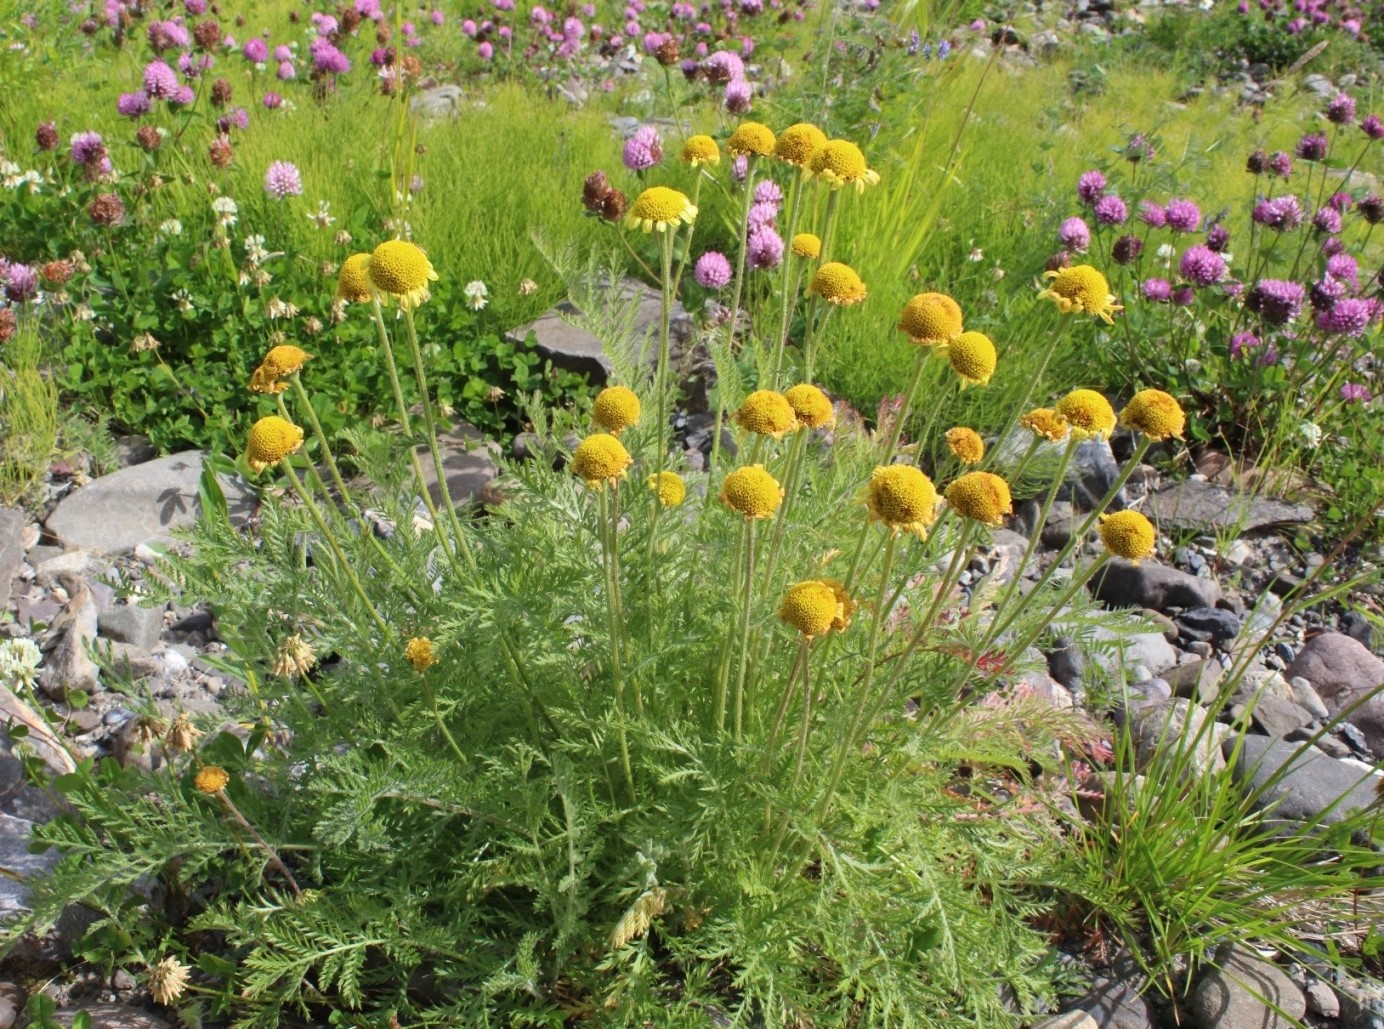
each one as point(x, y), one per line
point(1183, 296)
point(1074, 234)
point(1373, 127)
point(1327, 220)
point(1282, 213)
point(283, 180)
point(1312, 147)
point(1354, 393)
point(256, 51)
point(283, 53)
point(160, 81)
point(739, 168)
point(738, 95)
point(724, 66)
point(1111, 210)
point(183, 96)
point(764, 249)
point(286, 72)
point(1182, 215)
point(1090, 187)
point(1324, 293)
point(1341, 202)
point(1280, 164)
point(1242, 341)
point(21, 283)
point(1349, 316)
point(768, 192)
point(327, 58)
point(1202, 266)
point(88, 147)
point(1152, 214)
point(1277, 301)
point(1126, 249)
point(1343, 267)
point(762, 215)
point(273, 100)
point(643, 149)
point(1217, 237)
point(132, 105)
point(712, 270)
point(1340, 109)
point(1160, 291)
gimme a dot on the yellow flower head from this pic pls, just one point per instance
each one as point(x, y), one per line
point(420, 653)
point(353, 283)
point(931, 319)
point(1128, 534)
point(600, 458)
point(811, 405)
point(903, 498)
point(401, 270)
point(168, 980)
point(1154, 413)
point(798, 144)
point(810, 607)
point(972, 357)
point(840, 163)
point(669, 488)
point(1081, 288)
point(806, 245)
point(211, 779)
point(838, 284)
point(616, 408)
point(751, 138)
point(281, 362)
point(751, 492)
point(966, 444)
point(845, 600)
point(1087, 413)
point(767, 413)
point(980, 496)
point(271, 440)
point(659, 208)
point(699, 150)
point(1046, 423)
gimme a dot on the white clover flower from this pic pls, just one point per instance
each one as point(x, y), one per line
point(19, 661)
point(322, 217)
point(226, 209)
point(277, 308)
point(171, 227)
point(1166, 253)
point(1311, 434)
point(183, 299)
point(254, 250)
point(476, 294)
point(83, 313)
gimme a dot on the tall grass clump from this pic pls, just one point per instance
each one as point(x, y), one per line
point(28, 410)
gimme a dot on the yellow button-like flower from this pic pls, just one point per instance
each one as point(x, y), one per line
point(1045, 422)
point(767, 413)
point(751, 492)
point(281, 362)
point(903, 498)
point(659, 208)
point(972, 357)
point(811, 405)
point(840, 163)
point(1128, 534)
point(798, 144)
point(211, 779)
point(810, 607)
point(616, 408)
point(847, 603)
point(837, 283)
point(807, 246)
point(271, 440)
point(1087, 413)
point(1154, 413)
point(353, 282)
point(420, 653)
point(668, 487)
point(401, 270)
point(700, 150)
point(980, 496)
point(1081, 288)
point(600, 458)
point(966, 444)
point(930, 319)
point(751, 138)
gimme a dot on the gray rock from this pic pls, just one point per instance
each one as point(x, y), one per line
point(134, 449)
point(141, 504)
point(132, 623)
point(15, 858)
point(128, 659)
point(468, 461)
point(1308, 698)
point(1180, 725)
point(113, 1016)
point(439, 102)
point(50, 570)
point(1357, 626)
point(1362, 1004)
point(1066, 663)
point(1116, 1005)
point(1088, 477)
point(1322, 1000)
point(1245, 992)
point(1198, 680)
point(1222, 626)
point(1117, 654)
point(1149, 584)
point(12, 524)
point(1344, 673)
point(1275, 716)
point(1207, 507)
point(68, 666)
point(1304, 788)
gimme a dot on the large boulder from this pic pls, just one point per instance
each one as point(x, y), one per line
point(1149, 584)
point(1243, 991)
point(1299, 785)
point(1344, 673)
point(1206, 507)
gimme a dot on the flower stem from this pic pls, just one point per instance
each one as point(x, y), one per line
point(897, 428)
point(274, 860)
point(746, 595)
point(321, 438)
point(431, 697)
point(608, 545)
point(661, 376)
point(788, 296)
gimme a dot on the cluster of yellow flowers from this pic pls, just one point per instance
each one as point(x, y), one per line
point(934, 320)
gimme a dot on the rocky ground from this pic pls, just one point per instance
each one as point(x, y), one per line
point(72, 574)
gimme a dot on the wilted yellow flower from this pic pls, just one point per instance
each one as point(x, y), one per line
point(182, 735)
point(281, 362)
point(659, 208)
point(903, 498)
point(767, 413)
point(294, 657)
point(811, 405)
point(837, 283)
point(750, 137)
point(798, 144)
point(420, 653)
point(211, 779)
point(930, 319)
point(615, 409)
point(806, 246)
point(1154, 413)
point(840, 163)
point(271, 440)
point(167, 980)
point(1045, 422)
point(1128, 534)
point(1087, 413)
point(699, 150)
point(600, 458)
point(353, 283)
point(1081, 288)
point(668, 487)
point(752, 492)
point(966, 444)
point(980, 496)
point(810, 607)
point(846, 604)
point(972, 357)
point(401, 270)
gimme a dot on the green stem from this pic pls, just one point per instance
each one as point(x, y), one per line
point(746, 596)
point(608, 544)
point(897, 428)
point(431, 697)
point(790, 262)
point(661, 376)
point(321, 438)
point(804, 645)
